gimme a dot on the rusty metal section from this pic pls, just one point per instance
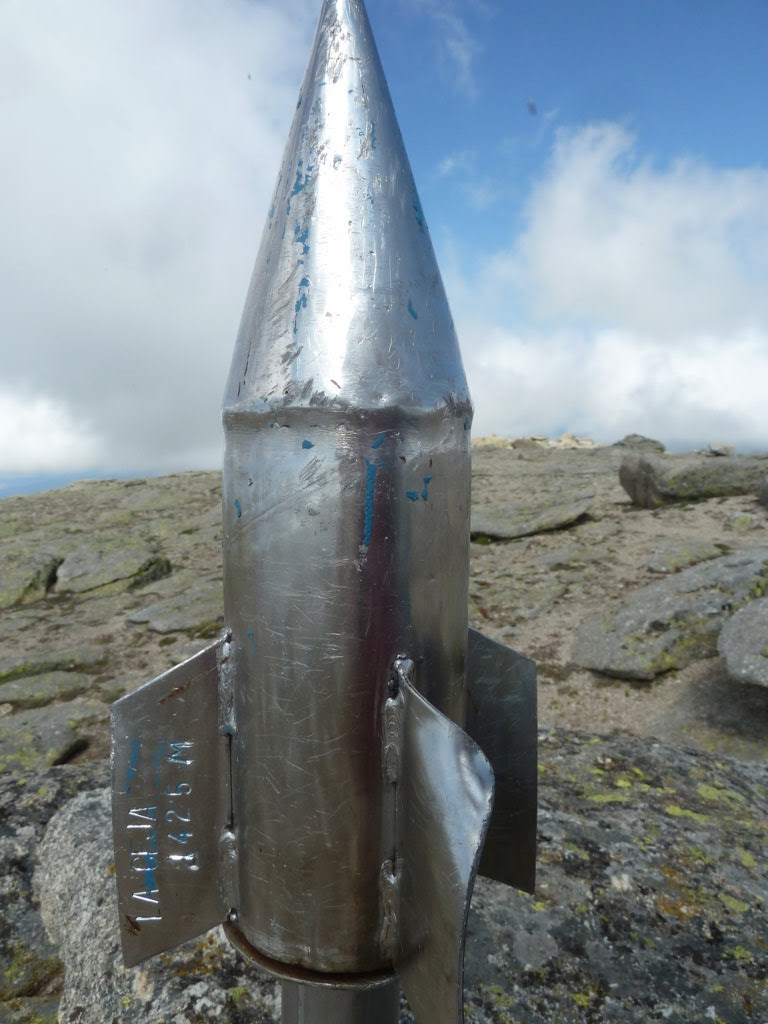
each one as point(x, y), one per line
point(171, 806)
point(502, 719)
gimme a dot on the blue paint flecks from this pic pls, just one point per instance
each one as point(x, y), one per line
point(302, 179)
point(306, 445)
point(419, 213)
point(381, 439)
point(301, 302)
point(238, 508)
point(371, 469)
point(424, 495)
point(412, 311)
point(133, 765)
point(252, 641)
point(150, 882)
point(301, 237)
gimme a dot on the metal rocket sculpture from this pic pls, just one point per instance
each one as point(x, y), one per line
point(329, 776)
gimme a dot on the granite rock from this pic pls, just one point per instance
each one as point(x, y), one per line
point(640, 443)
point(743, 644)
point(670, 623)
point(48, 736)
point(527, 519)
point(650, 905)
point(31, 972)
point(652, 480)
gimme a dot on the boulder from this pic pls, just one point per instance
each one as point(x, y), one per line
point(743, 644)
point(640, 443)
point(48, 736)
point(31, 972)
point(650, 905)
point(651, 480)
point(668, 624)
point(27, 573)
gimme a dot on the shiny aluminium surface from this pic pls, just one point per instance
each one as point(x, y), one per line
point(171, 807)
point(302, 1004)
point(444, 801)
point(346, 511)
point(335, 792)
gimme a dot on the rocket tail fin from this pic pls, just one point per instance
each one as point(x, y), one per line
point(171, 806)
point(445, 794)
point(501, 718)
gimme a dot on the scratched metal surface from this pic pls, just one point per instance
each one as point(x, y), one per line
point(171, 807)
point(346, 510)
point(445, 794)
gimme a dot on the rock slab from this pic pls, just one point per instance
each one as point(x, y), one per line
point(654, 480)
point(668, 624)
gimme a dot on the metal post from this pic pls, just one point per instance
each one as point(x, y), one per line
point(312, 1004)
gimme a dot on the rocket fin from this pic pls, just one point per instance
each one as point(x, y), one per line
point(501, 718)
point(171, 807)
point(445, 794)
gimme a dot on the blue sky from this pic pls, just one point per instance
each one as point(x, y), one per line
point(594, 174)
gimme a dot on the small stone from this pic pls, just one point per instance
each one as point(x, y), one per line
point(744, 522)
point(720, 449)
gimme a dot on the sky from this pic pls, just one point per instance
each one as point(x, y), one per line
point(594, 174)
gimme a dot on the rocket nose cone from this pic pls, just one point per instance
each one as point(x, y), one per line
point(346, 305)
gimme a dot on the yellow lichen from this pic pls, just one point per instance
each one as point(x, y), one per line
point(737, 906)
point(683, 812)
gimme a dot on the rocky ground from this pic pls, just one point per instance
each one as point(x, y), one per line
point(645, 624)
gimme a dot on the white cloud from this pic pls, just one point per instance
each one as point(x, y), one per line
point(458, 48)
point(634, 300)
point(38, 434)
point(616, 241)
point(140, 146)
point(609, 383)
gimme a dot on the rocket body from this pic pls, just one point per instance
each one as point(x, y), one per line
point(346, 511)
point(329, 776)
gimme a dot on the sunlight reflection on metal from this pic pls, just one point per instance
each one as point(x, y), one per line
point(308, 779)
